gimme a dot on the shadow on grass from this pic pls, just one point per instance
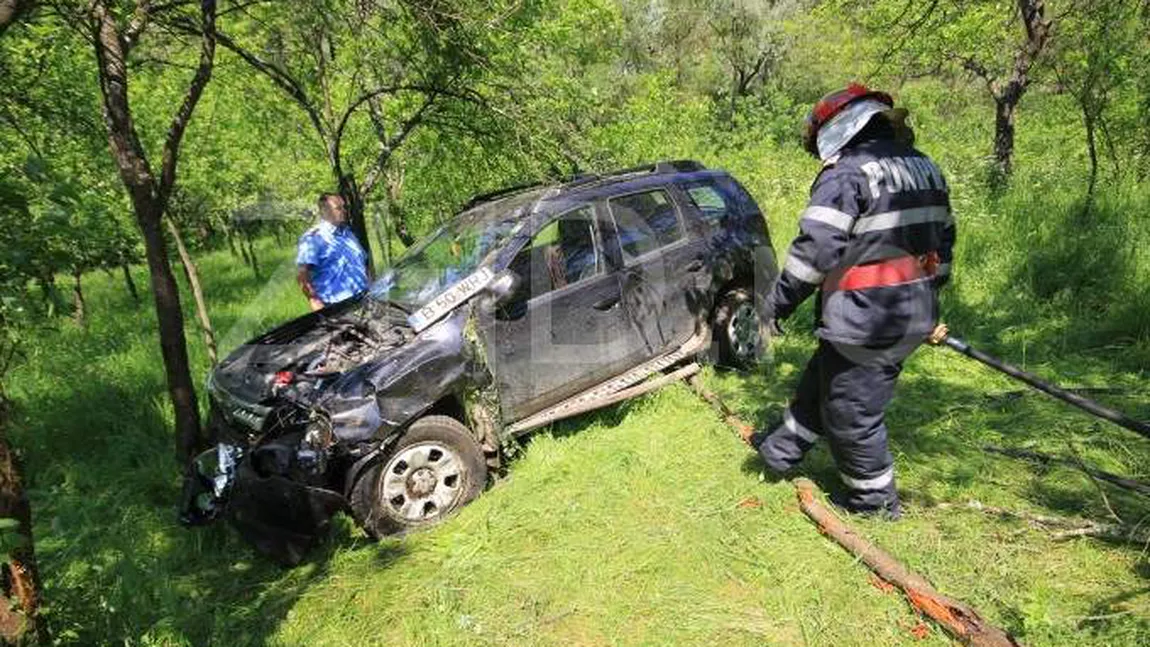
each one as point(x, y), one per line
point(940, 424)
point(94, 429)
point(118, 566)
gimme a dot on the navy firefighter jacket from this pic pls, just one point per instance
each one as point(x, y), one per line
point(875, 241)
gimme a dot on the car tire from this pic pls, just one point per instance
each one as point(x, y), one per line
point(433, 470)
point(737, 330)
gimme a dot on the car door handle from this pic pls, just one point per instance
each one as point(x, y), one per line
point(606, 303)
point(695, 265)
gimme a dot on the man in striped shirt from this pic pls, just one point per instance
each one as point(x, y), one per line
point(332, 264)
point(875, 245)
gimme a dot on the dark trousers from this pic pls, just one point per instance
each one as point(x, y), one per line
point(842, 396)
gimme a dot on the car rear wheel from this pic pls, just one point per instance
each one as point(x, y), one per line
point(737, 329)
point(434, 469)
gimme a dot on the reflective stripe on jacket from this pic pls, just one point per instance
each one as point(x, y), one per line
point(876, 237)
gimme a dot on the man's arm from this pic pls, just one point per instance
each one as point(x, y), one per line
point(303, 277)
point(945, 255)
point(307, 257)
point(824, 230)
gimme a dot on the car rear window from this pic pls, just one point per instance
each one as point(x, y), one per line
point(645, 221)
point(710, 202)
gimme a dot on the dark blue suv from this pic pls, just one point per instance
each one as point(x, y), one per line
point(531, 305)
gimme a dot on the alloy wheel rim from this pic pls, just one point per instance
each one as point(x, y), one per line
point(743, 331)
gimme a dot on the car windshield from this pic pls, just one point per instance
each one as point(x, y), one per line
point(452, 252)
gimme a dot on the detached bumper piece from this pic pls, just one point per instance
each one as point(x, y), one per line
point(282, 518)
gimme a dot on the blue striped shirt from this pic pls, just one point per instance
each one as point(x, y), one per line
point(338, 262)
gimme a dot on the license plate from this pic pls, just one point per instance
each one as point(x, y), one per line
point(450, 299)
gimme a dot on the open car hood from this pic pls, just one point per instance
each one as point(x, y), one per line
point(299, 357)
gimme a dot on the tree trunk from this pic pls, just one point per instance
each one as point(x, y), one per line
point(1091, 148)
point(382, 235)
point(50, 293)
point(11, 10)
point(193, 278)
point(20, 622)
point(1004, 136)
point(173, 346)
point(354, 201)
point(1007, 92)
point(395, 216)
point(149, 193)
point(232, 245)
point(78, 296)
point(131, 285)
point(243, 250)
point(250, 251)
point(736, 88)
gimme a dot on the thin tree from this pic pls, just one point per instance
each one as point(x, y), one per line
point(954, 32)
point(149, 191)
point(309, 75)
point(1007, 89)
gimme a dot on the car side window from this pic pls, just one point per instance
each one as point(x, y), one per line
point(645, 221)
point(562, 253)
point(710, 201)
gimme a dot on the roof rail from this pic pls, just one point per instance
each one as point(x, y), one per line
point(505, 191)
point(679, 166)
point(666, 166)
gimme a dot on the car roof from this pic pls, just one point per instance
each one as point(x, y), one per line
point(586, 185)
point(538, 203)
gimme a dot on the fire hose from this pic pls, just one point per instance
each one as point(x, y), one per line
point(943, 337)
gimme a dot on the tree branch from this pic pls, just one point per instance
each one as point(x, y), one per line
point(276, 75)
point(140, 19)
point(195, 91)
point(429, 90)
point(129, 154)
point(898, 42)
point(388, 146)
point(979, 70)
point(6, 115)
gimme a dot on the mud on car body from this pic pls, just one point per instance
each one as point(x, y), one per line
point(531, 305)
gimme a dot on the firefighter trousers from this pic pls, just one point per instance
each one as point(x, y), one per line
point(842, 396)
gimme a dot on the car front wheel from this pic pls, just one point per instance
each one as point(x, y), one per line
point(434, 469)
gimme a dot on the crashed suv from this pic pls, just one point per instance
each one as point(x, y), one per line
point(531, 305)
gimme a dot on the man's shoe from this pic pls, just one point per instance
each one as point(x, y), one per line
point(889, 511)
point(756, 439)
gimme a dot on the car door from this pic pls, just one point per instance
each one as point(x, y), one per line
point(663, 265)
point(564, 330)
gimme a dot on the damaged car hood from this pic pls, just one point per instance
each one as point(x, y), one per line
point(298, 359)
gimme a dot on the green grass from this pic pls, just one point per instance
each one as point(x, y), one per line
point(619, 528)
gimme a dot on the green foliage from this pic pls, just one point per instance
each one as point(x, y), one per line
point(644, 496)
point(1044, 275)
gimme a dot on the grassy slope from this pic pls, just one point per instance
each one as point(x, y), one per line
point(622, 527)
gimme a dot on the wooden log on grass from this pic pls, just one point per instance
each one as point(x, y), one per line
point(959, 620)
point(740, 426)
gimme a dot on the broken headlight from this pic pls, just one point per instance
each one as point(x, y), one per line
point(206, 486)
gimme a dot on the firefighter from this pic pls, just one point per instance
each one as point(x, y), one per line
point(875, 244)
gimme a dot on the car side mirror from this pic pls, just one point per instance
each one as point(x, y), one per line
point(502, 287)
point(505, 296)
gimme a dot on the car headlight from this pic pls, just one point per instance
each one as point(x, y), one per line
point(217, 467)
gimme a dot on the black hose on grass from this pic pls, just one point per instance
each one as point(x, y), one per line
point(1089, 406)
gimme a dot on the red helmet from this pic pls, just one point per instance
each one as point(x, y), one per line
point(832, 104)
